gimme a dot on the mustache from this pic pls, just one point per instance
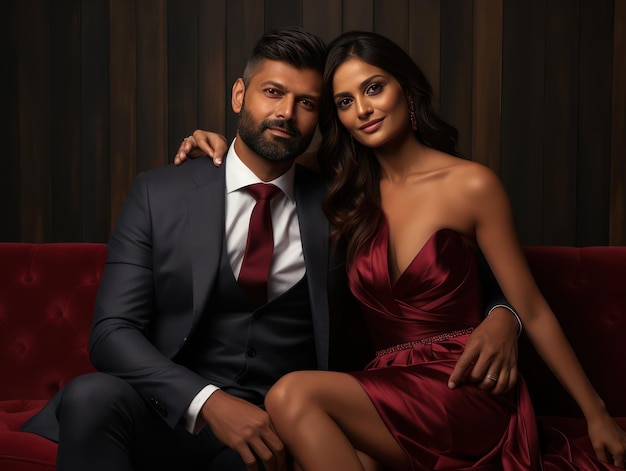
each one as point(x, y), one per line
point(282, 124)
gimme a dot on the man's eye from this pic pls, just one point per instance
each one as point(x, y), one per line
point(272, 91)
point(308, 103)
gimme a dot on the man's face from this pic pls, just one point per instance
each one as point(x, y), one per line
point(278, 110)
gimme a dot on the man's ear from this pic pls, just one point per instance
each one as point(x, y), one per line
point(239, 90)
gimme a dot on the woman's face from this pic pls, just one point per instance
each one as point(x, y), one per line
point(370, 103)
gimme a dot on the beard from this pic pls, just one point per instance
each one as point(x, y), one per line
point(272, 148)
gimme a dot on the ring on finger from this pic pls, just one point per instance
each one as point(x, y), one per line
point(492, 377)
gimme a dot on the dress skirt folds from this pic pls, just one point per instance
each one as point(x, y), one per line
point(419, 326)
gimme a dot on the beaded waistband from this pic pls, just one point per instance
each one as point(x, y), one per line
point(426, 341)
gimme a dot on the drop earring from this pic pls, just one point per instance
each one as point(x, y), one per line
point(412, 117)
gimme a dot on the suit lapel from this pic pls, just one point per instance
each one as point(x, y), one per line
point(206, 216)
point(314, 232)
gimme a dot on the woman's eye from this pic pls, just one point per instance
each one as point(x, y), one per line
point(373, 89)
point(343, 103)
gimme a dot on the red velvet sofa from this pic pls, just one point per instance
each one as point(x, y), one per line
point(46, 301)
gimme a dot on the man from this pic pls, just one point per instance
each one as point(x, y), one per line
point(185, 351)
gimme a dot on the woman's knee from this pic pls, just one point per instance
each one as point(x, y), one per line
point(289, 396)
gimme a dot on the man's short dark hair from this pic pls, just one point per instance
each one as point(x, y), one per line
point(291, 45)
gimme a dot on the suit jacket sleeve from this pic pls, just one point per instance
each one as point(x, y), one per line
point(126, 314)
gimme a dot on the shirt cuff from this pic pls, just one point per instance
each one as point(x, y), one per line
point(519, 321)
point(194, 423)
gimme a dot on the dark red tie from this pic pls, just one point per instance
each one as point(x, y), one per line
point(257, 258)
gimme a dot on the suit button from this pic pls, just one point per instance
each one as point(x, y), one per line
point(252, 353)
point(161, 409)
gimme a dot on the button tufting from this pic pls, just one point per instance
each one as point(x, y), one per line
point(19, 348)
point(57, 314)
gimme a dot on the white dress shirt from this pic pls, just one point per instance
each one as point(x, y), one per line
point(288, 260)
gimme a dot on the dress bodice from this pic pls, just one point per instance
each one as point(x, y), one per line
point(438, 292)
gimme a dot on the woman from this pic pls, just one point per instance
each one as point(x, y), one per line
point(411, 216)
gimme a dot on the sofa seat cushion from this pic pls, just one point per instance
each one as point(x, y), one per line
point(21, 451)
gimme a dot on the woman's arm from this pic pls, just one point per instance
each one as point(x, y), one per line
point(496, 237)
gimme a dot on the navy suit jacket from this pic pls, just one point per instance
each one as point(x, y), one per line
point(162, 262)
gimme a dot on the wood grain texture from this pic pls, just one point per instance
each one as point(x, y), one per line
point(10, 160)
point(593, 180)
point(95, 98)
point(560, 121)
point(487, 84)
point(523, 95)
point(617, 231)
point(97, 90)
point(35, 119)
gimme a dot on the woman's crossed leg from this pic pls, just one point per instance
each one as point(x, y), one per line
point(328, 422)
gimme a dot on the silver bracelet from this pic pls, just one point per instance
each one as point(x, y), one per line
point(519, 321)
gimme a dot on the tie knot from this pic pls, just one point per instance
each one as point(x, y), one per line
point(263, 191)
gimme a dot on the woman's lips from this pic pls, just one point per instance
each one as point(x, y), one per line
point(371, 126)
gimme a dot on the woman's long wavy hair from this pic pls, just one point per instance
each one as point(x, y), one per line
point(353, 200)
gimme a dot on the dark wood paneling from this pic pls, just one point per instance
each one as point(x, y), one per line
point(279, 13)
point(35, 120)
point(358, 15)
point(96, 188)
point(97, 90)
point(123, 104)
point(322, 17)
point(65, 124)
point(594, 122)
point(243, 29)
point(561, 123)
point(214, 90)
point(456, 69)
point(182, 71)
point(151, 84)
point(391, 20)
point(425, 40)
point(487, 84)
point(10, 158)
point(523, 52)
point(618, 129)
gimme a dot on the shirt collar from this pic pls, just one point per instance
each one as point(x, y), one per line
point(239, 176)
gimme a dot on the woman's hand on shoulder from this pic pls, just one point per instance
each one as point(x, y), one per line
point(202, 143)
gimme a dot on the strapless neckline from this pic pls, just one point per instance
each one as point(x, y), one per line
point(444, 231)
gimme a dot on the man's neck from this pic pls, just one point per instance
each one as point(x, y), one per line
point(266, 170)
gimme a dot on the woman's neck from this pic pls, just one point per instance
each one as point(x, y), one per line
point(401, 159)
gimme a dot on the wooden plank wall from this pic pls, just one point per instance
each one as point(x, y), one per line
point(95, 91)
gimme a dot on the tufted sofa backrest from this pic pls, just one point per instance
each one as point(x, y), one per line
point(586, 288)
point(47, 294)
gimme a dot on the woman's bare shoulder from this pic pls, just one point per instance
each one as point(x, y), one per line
point(474, 176)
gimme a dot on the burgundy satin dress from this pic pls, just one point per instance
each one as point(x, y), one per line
point(419, 327)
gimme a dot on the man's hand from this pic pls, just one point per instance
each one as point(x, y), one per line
point(245, 428)
point(200, 144)
point(490, 356)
